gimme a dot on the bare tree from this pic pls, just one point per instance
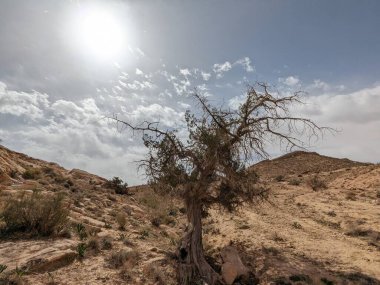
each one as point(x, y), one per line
point(208, 168)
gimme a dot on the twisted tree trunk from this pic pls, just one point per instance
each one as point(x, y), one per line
point(192, 260)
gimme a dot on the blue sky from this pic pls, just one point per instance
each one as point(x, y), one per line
point(57, 82)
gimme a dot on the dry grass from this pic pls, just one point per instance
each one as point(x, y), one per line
point(156, 274)
point(119, 258)
point(316, 183)
point(121, 220)
point(31, 173)
point(35, 214)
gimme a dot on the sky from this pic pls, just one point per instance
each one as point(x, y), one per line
point(66, 66)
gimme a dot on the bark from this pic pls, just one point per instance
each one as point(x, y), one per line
point(192, 260)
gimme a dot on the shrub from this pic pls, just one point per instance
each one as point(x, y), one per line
point(118, 185)
point(106, 243)
point(68, 184)
point(2, 268)
point(351, 196)
point(144, 233)
point(279, 178)
point(121, 219)
point(31, 173)
point(358, 232)
point(156, 274)
point(316, 183)
point(36, 214)
point(297, 225)
point(81, 249)
point(123, 256)
point(156, 222)
point(295, 182)
point(81, 231)
point(13, 174)
point(152, 200)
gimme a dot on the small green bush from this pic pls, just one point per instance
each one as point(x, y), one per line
point(35, 214)
point(118, 185)
point(31, 173)
point(81, 249)
point(297, 225)
point(279, 178)
point(2, 268)
point(316, 183)
point(81, 231)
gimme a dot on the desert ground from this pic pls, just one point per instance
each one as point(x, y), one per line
point(319, 225)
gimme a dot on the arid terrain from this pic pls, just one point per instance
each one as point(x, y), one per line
point(320, 225)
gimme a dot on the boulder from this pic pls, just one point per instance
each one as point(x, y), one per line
point(51, 263)
point(232, 267)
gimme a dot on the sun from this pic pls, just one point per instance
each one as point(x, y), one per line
point(99, 33)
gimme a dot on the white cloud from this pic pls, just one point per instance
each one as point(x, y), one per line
point(184, 105)
point(206, 76)
point(355, 115)
point(73, 134)
point(246, 63)
point(140, 52)
point(185, 72)
point(22, 103)
point(139, 72)
point(236, 101)
point(319, 84)
point(140, 85)
point(181, 87)
point(290, 81)
point(156, 113)
point(220, 68)
point(123, 84)
point(358, 107)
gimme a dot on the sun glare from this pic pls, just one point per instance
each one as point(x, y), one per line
point(99, 34)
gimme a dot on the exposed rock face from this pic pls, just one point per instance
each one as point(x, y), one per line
point(50, 263)
point(38, 256)
point(232, 267)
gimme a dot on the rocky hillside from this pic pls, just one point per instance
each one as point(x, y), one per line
point(109, 238)
point(320, 225)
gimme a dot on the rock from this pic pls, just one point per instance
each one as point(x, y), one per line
point(229, 272)
point(38, 255)
point(232, 267)
point(50, 264)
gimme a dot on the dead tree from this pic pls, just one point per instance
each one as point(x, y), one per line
point(208, 167)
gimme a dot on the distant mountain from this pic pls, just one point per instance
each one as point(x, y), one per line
point(302, 162)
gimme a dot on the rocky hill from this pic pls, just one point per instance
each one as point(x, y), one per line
point(302, 162)
point(320, 225)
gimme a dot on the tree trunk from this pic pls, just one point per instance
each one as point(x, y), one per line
point(192, 260)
